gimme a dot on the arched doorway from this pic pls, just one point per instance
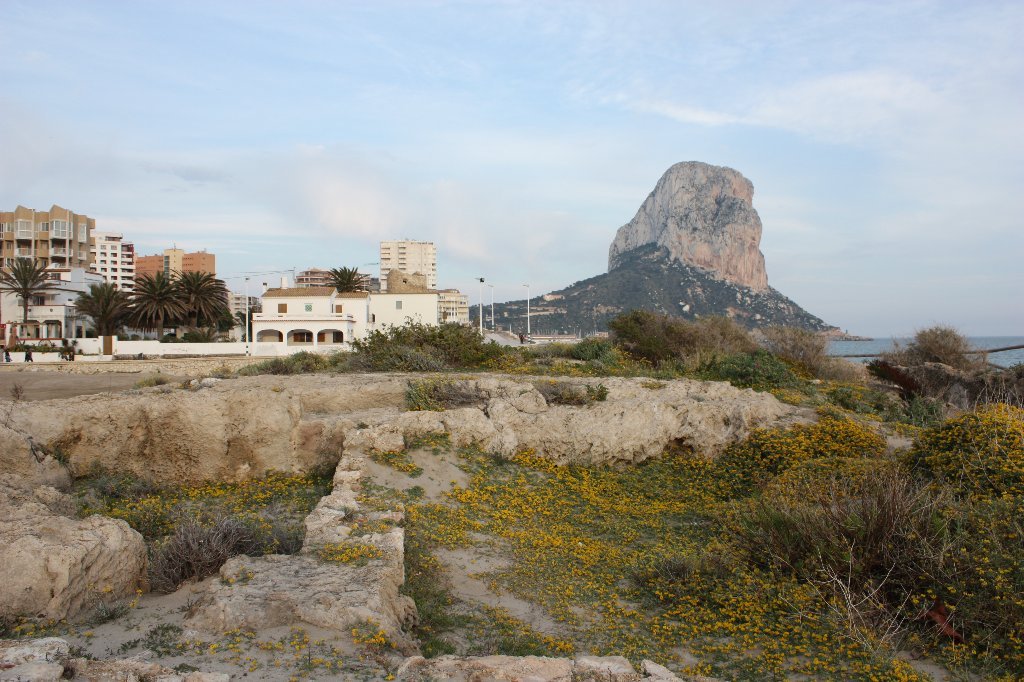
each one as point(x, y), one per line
point(269, 336)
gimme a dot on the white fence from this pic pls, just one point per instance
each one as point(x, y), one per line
point(94, 347)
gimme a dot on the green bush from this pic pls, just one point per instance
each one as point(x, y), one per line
point(302, 362)
point(980, 454)
point(937, 344)
point(591, 349)
point(661, 338)
point(759, 370)
point(880, 543)
point(767, 453)
point(419, 347)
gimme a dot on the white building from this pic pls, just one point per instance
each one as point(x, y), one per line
point(452, 307)
point(113, 258)
point(410, 257)
point(316, 317)
point(52, 315)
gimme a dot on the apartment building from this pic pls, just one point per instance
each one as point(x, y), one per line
point(313, 277)
point(452, 307)
point(176, 260)
point(56, 237)
point(410, 257)
point(113, 258)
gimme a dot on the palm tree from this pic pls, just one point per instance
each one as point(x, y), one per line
point(27, 278)
point(155, 301)
point(107, 305)
point(205, 297)
point(347, 279)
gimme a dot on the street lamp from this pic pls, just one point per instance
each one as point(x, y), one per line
point(493, 328)
point(481, 292)
point(248, 331)
point(527, 310)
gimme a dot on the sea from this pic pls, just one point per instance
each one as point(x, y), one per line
point(1004, 359)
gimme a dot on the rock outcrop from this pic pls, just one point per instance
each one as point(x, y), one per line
point(701, 215)
point(59, 567)
point(270, 591)
point(539, 668)
point(243, 428)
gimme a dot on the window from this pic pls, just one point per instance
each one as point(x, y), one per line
point(309, 307)
point(337, 309)
point(398, 305)
point(282, 307)
point(83, 232)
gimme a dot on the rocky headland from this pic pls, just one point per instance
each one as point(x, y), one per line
point(692, 250)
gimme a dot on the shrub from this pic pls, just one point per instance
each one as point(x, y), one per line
point(149, 382)
point(441, 394)
point(767, 453)
point(806, 349)
point(981, 453)
point(759, 370)
point(197, 549)
point(879, 546)
point(302, 362)
point(420, 347)
point(937, 344)
point(659, 338)
point(591, 349)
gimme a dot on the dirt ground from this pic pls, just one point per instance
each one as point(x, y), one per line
point(44, 385)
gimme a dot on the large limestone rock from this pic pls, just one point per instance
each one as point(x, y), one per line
point(634, 423)
point(702, 215)
point(22, 456)
point(233, 430)
point(58, 567)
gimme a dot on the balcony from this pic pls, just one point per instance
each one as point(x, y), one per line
point(22, 233)
point(58, 251)
point(23, 253)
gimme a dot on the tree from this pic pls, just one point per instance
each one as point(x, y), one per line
point(26, 278)
point(347, 279)
point(205, 297)
point(107, 305)
point(155, 301)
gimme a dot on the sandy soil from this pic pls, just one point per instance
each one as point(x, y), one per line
point(46, 384)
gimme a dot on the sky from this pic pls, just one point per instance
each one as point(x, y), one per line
point(884, 139)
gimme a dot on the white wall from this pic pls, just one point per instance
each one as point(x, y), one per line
point(420, 308)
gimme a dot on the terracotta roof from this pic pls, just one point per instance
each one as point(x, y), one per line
point(353, 294)
point(298, 292)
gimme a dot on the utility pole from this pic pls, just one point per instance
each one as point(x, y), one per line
point(527, 310)
point(493, 327)
point(481, 293)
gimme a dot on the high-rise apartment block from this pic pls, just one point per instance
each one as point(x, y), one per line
point(175, 260)
point(113, 258)
point(56, 237)
point(410, 257)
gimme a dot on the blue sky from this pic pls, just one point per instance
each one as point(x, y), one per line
point(884, 140)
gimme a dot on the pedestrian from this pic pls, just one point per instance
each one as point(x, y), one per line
point(28, 354)
point(7, 354)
